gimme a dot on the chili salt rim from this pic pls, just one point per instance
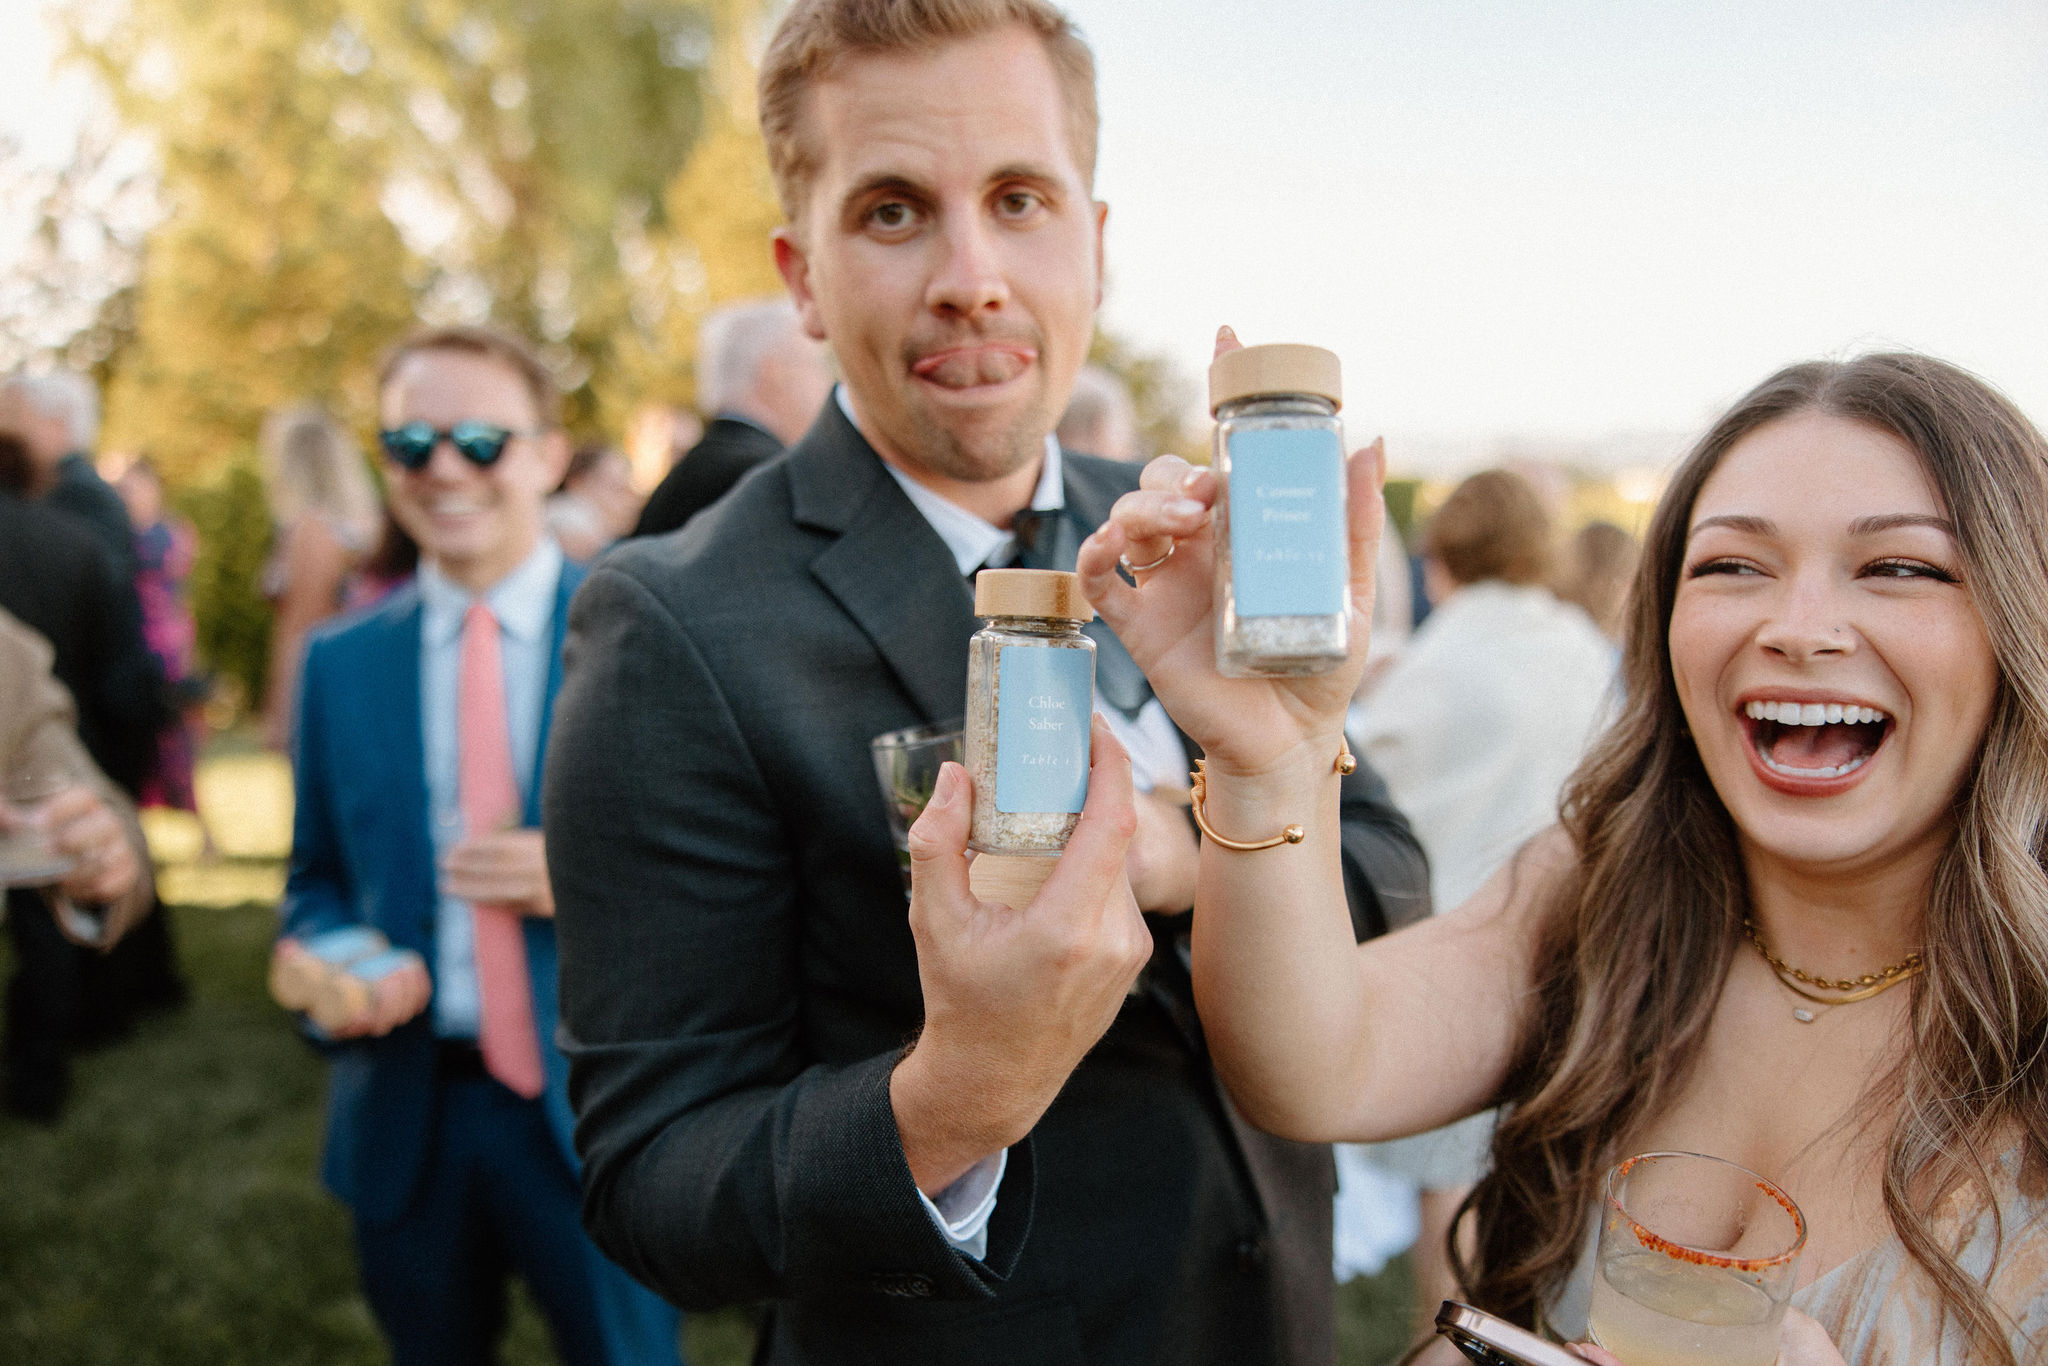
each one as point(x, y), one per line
point(1699, 1256)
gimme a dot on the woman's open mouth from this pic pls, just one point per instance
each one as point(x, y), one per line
point(1809, 748)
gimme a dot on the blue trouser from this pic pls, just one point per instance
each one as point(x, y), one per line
point(498, 1199)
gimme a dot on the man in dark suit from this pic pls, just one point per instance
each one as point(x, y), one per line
point(740, 980)
point(60, 581)
point(762, 380)
point(59, 578)
point(421, 726)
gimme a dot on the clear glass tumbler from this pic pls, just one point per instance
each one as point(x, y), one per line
point(907, 765)
point(27, 857)
point(1696, 1262)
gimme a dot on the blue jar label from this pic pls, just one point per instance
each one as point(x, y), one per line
point(1286, 522)
point(1042, 730)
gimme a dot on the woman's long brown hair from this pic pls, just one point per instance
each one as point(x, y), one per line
point(1639, 939)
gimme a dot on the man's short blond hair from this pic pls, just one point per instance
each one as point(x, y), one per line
point(816, 34)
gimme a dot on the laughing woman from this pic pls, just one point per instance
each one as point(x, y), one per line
point(1795, 914)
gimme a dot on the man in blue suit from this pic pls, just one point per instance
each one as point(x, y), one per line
point(421, 727)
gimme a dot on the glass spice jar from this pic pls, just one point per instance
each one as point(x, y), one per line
point(1030, 692)
point(1283, 566)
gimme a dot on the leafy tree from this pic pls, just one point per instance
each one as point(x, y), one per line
point(711, 246)
point(67, 285)
point(232, 520)
point(275, 274)
point(1161, 393)
point(334, 169)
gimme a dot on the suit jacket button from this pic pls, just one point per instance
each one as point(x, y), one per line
point(1251, 1256)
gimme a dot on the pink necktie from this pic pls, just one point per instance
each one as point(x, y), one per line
point(490, 802)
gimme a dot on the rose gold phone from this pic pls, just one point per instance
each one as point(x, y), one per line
point(1496, 1342)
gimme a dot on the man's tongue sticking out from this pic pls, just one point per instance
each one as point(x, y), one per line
point(966, 366)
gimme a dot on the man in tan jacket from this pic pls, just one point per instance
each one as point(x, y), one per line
point(87, 820)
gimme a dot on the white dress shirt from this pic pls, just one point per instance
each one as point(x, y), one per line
point(524, 604)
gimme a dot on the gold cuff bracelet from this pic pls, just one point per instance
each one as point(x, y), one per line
point(1198, 788)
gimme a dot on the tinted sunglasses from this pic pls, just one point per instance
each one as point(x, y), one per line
point(412, 445)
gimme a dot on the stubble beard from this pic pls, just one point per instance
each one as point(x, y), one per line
point(986, 456)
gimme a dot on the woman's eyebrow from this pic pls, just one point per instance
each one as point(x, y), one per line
point(1736, 521)
point(1862, 526)
point(1870, 526)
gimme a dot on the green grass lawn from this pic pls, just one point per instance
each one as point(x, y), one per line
point(175, 1216)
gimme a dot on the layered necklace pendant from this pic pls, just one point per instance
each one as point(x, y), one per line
point(1850, 989)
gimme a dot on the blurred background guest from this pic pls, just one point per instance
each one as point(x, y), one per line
point(60, 581)
point(596, 504)
point(57, 417)
point(1393, 607)
point(685, 430)
point(324, 509)
point(763, 381)
point(1595, 573)
point(1476, 727)
point(1100, 418)
point(165, 547)
point(86, 819)
point(393, 560)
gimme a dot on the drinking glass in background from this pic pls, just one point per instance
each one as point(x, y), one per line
point(28, 858)
point(1695, 1264)
point(907, 765)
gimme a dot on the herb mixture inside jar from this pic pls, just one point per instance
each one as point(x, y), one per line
point(1030, 693)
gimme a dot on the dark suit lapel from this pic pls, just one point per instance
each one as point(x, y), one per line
point(887, 569)
point(388, 692)
point(558, 629)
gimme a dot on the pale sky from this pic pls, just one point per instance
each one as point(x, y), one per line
point(1546, 219)
point(1568, 218)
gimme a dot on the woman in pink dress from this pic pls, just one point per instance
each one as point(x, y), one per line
point(165, 547)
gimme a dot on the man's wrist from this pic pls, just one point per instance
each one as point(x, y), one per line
point(947, 1120)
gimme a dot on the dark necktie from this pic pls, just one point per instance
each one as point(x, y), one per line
point(1048, 539)
point(1037, 532)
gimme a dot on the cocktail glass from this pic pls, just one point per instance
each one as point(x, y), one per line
point(907, 765)
point(1695, 1264)
point(28, 858)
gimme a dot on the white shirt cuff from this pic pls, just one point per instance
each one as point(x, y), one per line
point(962, 1209)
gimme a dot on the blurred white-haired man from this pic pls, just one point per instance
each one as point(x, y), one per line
point(1100, 419)
point(762, 382)
point(57, 417)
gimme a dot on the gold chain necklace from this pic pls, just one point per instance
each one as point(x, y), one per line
point(1858, 988)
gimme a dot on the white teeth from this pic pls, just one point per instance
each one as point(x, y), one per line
point(1833, 771)
point(1811, 713)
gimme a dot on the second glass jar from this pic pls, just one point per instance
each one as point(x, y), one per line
point(1283, 567)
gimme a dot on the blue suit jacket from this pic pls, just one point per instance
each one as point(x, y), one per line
point(362, 854)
